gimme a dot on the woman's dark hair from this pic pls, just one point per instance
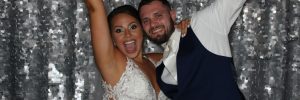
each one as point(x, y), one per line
point(127, 9)
point(146, 2)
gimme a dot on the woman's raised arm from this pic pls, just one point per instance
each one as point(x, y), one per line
point(101, 40)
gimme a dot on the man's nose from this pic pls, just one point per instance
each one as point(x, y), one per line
point(153, 22)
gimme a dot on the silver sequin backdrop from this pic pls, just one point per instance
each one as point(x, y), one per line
point(45, 49)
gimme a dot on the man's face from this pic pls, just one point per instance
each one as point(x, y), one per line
point(157, 21)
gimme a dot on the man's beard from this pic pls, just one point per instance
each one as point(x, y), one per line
point(165, 36)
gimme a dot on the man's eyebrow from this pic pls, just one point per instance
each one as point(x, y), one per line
point(157, 12)
point(145, 18)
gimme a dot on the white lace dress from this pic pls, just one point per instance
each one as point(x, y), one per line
point(133, 85)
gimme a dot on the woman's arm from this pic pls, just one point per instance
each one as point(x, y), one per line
point(101, 40)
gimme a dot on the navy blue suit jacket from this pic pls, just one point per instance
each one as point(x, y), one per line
point(202, 75)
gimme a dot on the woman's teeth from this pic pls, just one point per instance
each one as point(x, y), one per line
point(129, 42)
point(130, 46)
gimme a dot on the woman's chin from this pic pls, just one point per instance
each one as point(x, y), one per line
point(131, 54)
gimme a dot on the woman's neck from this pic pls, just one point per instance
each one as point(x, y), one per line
point(139, 58)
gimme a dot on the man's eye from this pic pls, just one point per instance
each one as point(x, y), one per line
point(145, 21)
point(158, 15)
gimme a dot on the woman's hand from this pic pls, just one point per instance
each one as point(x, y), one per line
point(93, 5)
point(183, 25)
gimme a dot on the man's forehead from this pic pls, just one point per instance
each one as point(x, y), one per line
point(156, 3)
point(152, 12)
point(152, 8)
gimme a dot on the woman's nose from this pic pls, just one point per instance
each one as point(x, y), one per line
point(127, 33)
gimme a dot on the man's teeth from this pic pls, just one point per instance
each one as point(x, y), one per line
point(156, 30)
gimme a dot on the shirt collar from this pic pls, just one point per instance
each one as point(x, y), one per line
point(169, 58)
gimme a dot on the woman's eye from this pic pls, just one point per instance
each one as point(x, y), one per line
point(133, 27)
point(118, 30)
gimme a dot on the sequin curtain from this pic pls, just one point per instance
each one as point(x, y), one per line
point(45, 49)
point(265, 45)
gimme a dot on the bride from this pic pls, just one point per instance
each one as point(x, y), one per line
point(117, 45)
point(117, 41)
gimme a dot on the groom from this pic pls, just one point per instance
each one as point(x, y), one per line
point(196, 65)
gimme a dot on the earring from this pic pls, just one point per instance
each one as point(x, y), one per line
point(114, 44)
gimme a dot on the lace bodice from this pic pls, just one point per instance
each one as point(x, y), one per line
point(133, 85)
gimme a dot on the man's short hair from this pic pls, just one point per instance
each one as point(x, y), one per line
point(146, 2)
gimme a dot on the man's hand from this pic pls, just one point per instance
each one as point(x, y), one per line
point(183, 25)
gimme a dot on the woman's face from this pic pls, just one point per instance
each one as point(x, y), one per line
point(127, 34)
